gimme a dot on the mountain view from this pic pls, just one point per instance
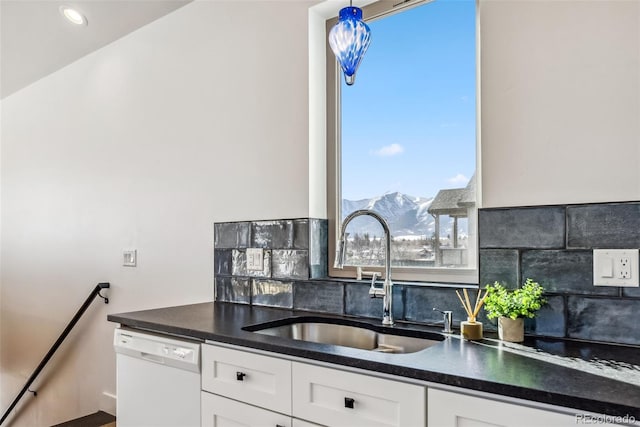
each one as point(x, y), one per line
point(406, 215)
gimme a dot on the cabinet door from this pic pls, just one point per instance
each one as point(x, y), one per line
point(253, 378)
point(218, 411)
point(337, 398)
point(448, 409)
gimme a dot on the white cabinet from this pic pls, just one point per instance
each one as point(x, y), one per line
point(253, 378)
point(218, 411)
point(449, 409)
point(241, 388)
point(338, 398)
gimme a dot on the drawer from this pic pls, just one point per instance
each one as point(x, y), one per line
point(253, 378)
point(218, 411)
point(449, 409)
point(338, 398)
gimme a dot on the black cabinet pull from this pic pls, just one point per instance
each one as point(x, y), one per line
point(240, 376)
point(278, 425)
point(348, 402)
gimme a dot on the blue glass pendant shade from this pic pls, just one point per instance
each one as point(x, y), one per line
point(349, 40)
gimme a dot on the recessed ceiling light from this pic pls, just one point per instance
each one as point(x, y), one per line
point(73, 15)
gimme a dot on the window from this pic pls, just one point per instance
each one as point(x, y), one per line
point(402, 142)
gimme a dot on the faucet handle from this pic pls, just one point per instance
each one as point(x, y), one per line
point(447, 320)
point(360, 272)
point(340, 254)
point(375, 292)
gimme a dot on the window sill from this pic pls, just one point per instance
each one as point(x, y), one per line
point(416, 277)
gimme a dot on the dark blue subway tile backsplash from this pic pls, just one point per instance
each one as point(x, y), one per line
point(301, 233)
point(318, 248)
point(290, 264)
point(323, 296)
point(603, 319)
point(222, 261)
point(550, 320)
point(272, 234)
point(272, 293)
point(605, 226)
point(231, 235)
point(233, 289)
point(238, 262)
point(549, 244)
point(359, 303)
point(528, 228)
point(631, 292)
point(562, 271)
point(500, 265)
point(422, 300)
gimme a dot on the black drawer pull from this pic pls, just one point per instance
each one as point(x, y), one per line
point(240, 376)
point(348, 402)
point(279, 425)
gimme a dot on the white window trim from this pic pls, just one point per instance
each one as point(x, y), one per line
point(333, 166)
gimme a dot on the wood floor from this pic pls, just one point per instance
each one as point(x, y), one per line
point(99, 419)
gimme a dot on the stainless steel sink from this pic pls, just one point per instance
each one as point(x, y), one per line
point(363, 336)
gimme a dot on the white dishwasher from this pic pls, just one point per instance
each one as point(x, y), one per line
point(158, 380)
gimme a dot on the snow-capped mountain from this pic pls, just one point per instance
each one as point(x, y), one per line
point(406, 216)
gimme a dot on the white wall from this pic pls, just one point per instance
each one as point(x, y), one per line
point(202, 116)
point(199, 117)
point(317, 114)
point(560, 101)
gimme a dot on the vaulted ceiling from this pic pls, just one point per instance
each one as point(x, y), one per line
point(36, 40)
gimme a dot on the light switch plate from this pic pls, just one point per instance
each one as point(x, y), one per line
point(615, 267)
point(255, 259)
point(129, 257)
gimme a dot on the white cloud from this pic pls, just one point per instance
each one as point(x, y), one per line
point(388, 150)
point(458, 179)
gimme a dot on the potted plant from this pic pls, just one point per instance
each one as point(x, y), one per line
point(512, 306)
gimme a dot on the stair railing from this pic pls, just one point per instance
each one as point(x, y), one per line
point(95, 292)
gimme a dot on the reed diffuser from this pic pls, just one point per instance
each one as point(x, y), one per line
point(471, 329)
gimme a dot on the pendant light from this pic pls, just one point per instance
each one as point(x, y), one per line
point(349, 40)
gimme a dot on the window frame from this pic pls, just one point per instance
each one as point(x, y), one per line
point(333, 74)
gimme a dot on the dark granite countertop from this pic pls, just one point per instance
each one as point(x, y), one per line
point(588, 377)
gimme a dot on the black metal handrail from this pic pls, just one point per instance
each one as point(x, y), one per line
point(95, 292)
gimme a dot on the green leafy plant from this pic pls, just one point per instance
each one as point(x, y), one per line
point(521, 302)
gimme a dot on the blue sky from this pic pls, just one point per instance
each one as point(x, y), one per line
point(408, 122)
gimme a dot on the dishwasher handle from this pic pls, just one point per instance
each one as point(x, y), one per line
point(152, 358)
point(167, 351)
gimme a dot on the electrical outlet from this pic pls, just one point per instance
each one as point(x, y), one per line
point(255, 259)
point(624, 268)
point(615, 267)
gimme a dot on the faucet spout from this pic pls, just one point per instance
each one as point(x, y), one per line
point(387, 289)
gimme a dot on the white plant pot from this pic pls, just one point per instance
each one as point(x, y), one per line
point(511, 330)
